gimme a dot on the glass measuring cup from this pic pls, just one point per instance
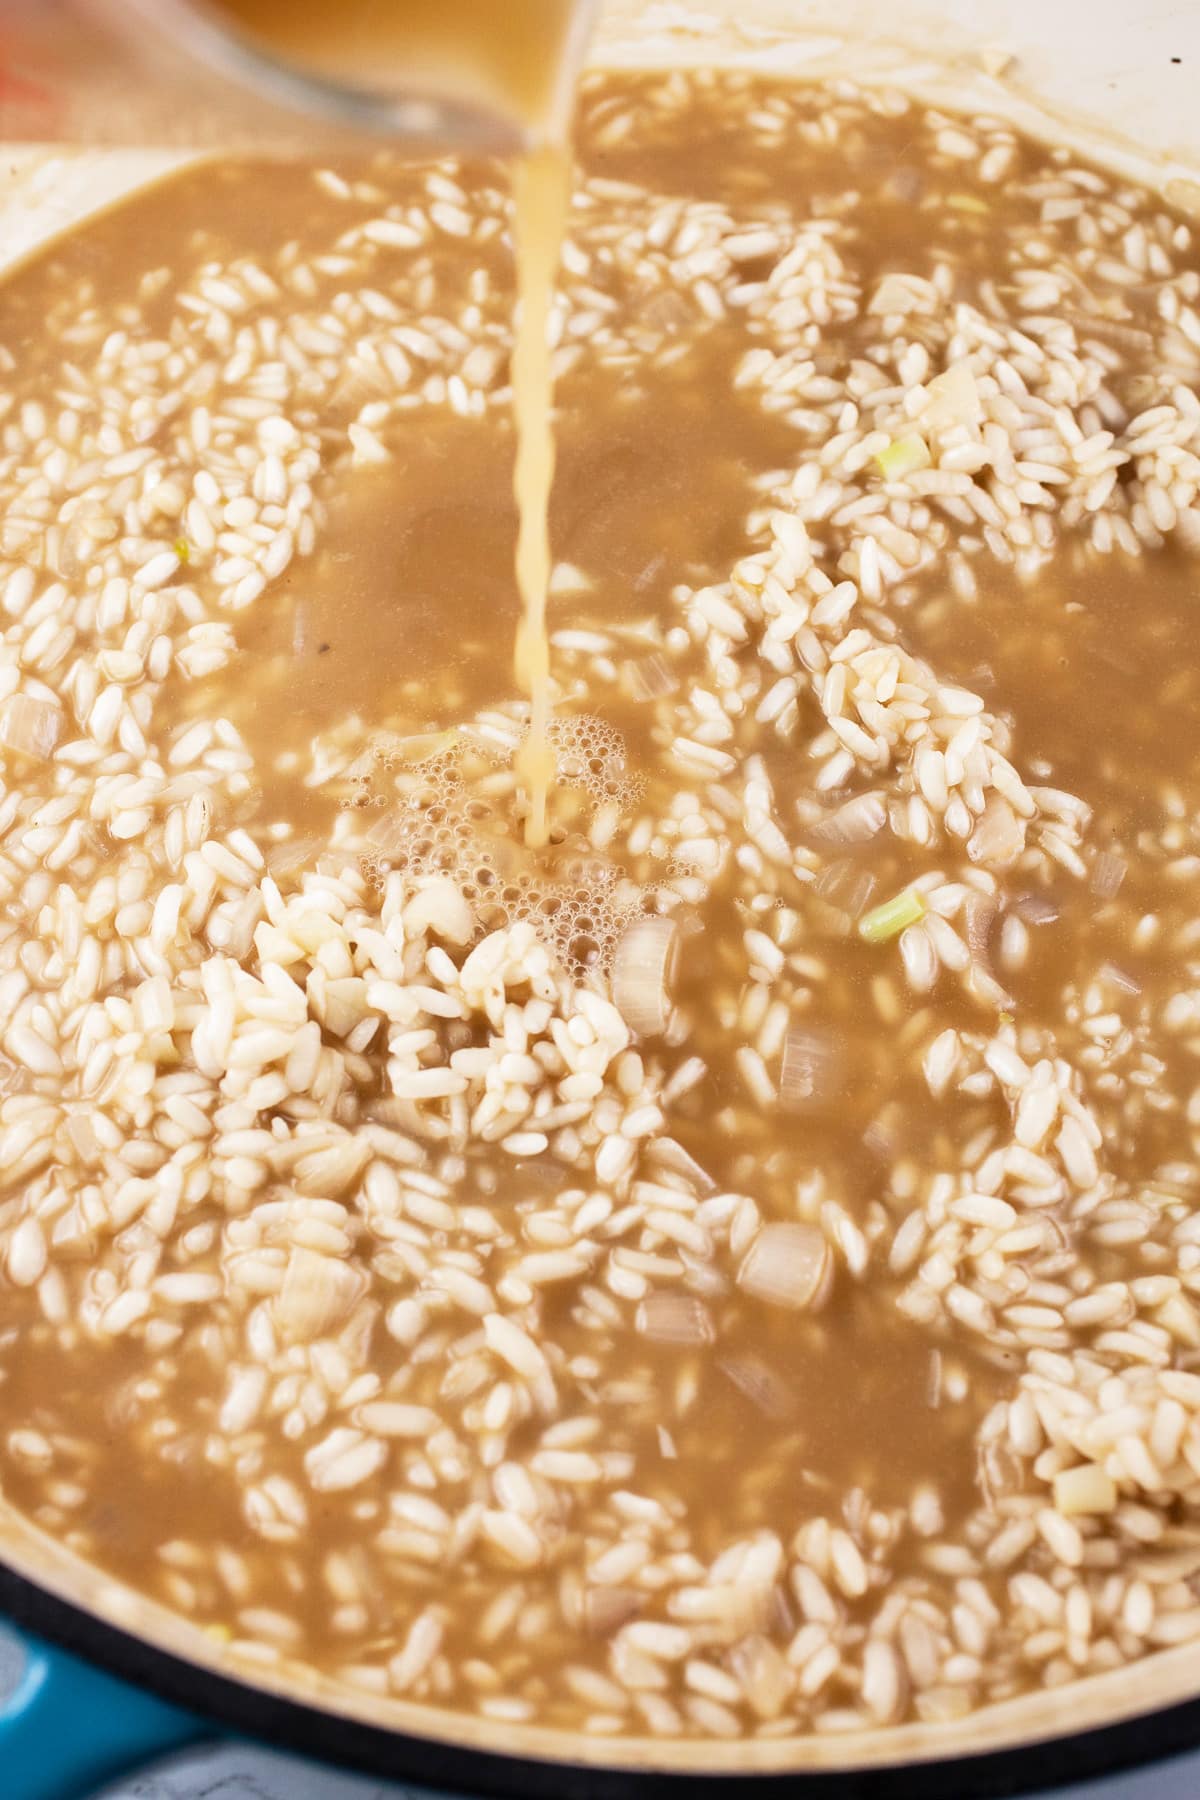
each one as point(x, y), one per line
point(283, 75)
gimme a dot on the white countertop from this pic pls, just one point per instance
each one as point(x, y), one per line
point(233, 1772)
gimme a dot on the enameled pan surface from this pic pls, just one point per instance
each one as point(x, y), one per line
point(1122, 86)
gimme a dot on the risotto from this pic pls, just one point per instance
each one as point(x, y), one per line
point(733, 1269)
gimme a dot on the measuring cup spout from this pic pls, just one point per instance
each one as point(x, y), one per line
point(290, 76)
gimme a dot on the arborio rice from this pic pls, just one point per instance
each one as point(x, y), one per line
point(736, 1273)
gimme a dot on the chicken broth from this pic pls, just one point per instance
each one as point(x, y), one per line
point(515, 59)
point(678, 1276)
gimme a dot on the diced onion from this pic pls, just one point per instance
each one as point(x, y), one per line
point(15, 1078)
point(789, 1264)
point(761, 1669)
point(318, 1293)
point(846, 887)
point(999, 837)
point(896, 294)
point(979, 916)
point(857, 822)
point(674, 1318)
point(83, 1138)
point(1036, 909)
point(292, 856)
point(703, 1277)
point(667, 310)
point(953, 398)
point(1120, 978)
point(1087, 1489)
point(1108, 872)
point(30, 726)
point(809, 1071)
point(391, 832)
point(643, 971)
point(438, 906)
point(649, 678)
point(760, 1383)
point(340, 1005)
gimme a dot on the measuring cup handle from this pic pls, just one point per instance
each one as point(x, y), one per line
point(66, 1728)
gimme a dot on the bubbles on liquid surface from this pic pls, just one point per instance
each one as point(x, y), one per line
point(444, 809)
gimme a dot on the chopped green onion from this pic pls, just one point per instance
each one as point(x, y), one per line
point(182, 549)
point(967, 203)
point(893, 917)
point(903, 457)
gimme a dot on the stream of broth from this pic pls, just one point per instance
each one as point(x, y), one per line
point(511, 58)
point(541, 195)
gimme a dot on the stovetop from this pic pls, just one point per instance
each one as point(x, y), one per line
point(234, 1772)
